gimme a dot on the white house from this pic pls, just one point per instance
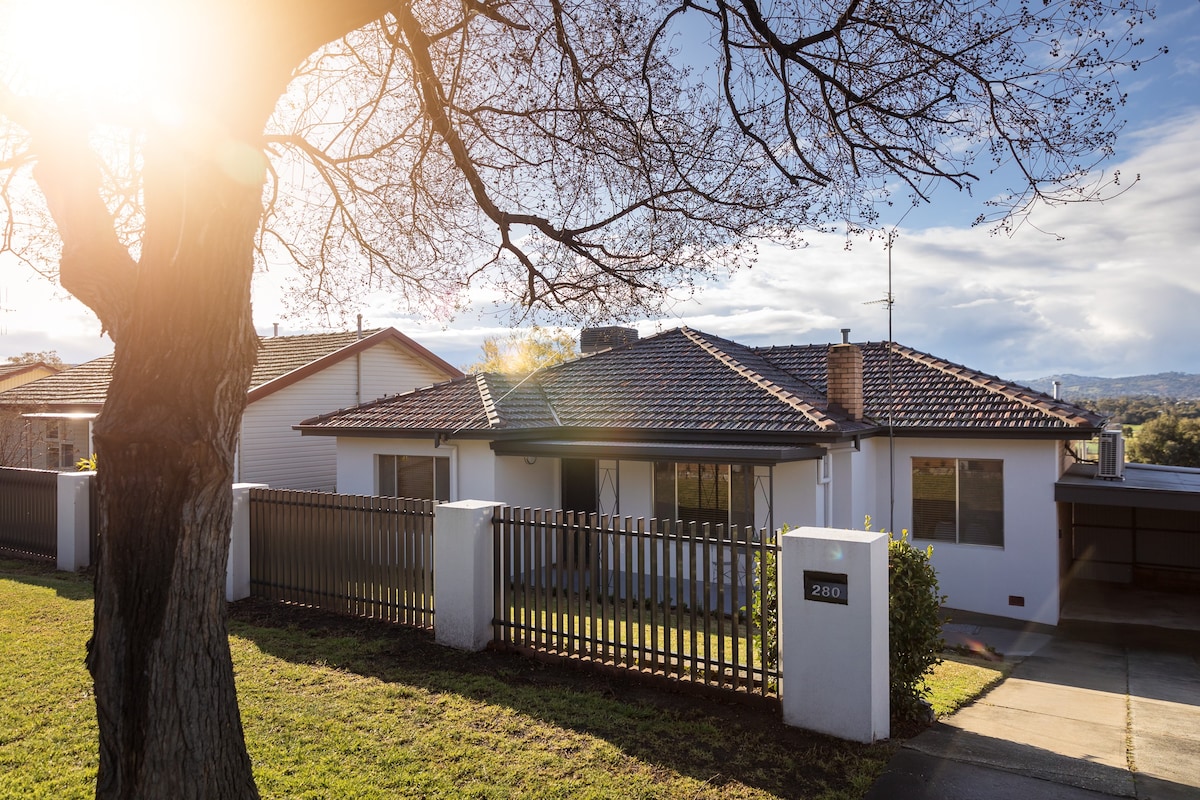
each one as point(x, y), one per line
point(689, 426)
point(295, 377)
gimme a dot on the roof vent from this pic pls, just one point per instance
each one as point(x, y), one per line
point(1111, 463)
point(593, 340)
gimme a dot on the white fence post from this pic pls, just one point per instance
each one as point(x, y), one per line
point(833, 627)
point(74, 520)
point(237, 573)
point(464, 583)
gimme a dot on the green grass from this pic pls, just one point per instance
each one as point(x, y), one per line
point(960, 679)
point(340, 708)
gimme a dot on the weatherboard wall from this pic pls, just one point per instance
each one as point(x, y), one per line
point(271, 452)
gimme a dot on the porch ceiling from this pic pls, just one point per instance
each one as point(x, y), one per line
point(660, 451)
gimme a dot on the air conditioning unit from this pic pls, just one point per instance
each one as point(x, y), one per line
point(1111, 463)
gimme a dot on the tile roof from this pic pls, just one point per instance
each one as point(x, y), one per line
point(689, 383)
point(9, 370)
point(82, 385)
point(278, 358)
point(925, 392)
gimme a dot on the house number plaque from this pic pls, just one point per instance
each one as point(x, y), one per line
point(825, 587)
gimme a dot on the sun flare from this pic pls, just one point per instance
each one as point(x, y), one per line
point(99, 57)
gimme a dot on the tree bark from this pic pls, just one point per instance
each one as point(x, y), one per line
point(165, 695)
point(185, 347)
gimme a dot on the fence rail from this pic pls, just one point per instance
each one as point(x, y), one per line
point(364, 556)
point(662, 598)
point(29, 512)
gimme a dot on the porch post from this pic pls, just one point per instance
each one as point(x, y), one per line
point(833, 622)
point(464, 578)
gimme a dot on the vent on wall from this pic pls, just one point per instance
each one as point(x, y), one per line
point(1111, 463)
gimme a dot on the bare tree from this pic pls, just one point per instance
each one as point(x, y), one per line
point(583, 156)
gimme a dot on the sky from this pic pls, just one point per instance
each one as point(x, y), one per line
point(1109, 289)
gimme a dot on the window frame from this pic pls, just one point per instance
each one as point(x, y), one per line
point(732, 482)
point(439, 477)
point(977, 517)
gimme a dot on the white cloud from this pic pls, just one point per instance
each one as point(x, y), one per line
point(1117, 295)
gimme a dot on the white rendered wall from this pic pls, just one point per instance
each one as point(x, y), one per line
point(472, 464)
point(834, 657)
point(979, 578)
point(798, 497)
point(637, 489)
point(526, 485)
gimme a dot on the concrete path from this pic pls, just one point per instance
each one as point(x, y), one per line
point(1074, 720)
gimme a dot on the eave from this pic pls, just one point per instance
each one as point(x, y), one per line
point(707, 452)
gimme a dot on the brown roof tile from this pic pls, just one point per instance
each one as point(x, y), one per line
point(688, 382)
point(280, 359)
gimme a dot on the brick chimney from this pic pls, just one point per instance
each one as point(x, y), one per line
point(593, 340)
point(844, 379)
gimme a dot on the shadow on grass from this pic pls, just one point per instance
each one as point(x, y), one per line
point(37, 572)
point(714, 742)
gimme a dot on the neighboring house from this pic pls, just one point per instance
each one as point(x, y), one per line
point(14, 429)
point(295, 377)
point(14, 375)
point(685, 425)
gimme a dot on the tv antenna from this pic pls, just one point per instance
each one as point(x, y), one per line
point(4, 312)
point(888, 301)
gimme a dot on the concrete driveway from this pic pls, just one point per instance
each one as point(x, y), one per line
point(1074, 720)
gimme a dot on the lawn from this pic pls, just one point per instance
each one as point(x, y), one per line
point(340, 708)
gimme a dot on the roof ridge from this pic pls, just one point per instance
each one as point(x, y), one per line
point(490, 406)
point(992, 383)
point(814, 414)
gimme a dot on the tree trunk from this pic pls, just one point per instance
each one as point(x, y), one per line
point(165, 696)
point(179, 315)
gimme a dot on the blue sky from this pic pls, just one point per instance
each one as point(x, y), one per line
point(1107, 289)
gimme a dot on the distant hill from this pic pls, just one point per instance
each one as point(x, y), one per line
point(1178, 385)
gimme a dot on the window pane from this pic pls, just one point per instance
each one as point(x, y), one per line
point(703, 493)
point(981, 502)
point(387, 476)
point(741, 495)
point(934, 493)
point(441, 479)
point(664, 490)
point(414, 477)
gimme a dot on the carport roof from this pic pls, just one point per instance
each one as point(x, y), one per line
point(1145, 486)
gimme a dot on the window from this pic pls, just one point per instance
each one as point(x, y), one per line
point(958, 500)
point(719, 494)
point(417, 477)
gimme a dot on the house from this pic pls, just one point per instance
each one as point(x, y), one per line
point(14, 434)
point(14, 375)
point(295, 377)
point(689, 426)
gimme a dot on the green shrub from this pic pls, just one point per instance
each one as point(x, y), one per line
point(914, 627)
point(764, 611)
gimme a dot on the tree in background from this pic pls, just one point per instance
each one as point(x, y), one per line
point(48, 357)
point(1136, 409)
point(523, 351)
point(1168, 439)
point(581, 158)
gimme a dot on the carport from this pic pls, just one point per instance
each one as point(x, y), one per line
point(1143, 530)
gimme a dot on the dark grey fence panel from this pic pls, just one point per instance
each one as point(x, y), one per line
point(29, 512)
point(662, 598)
point(363, 556)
